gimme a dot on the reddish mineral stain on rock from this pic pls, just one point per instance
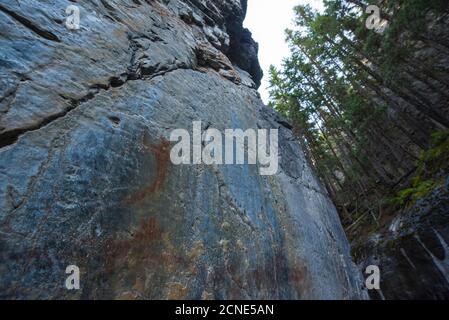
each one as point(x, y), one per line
point(161, 152)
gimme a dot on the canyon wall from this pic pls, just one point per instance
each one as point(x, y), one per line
point(413, 253)
point(85, 171)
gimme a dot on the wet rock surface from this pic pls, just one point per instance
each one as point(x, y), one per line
point(413, 256)
point(85, 173)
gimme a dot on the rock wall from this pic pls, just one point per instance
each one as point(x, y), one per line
point(413, 255)
point(85, 173)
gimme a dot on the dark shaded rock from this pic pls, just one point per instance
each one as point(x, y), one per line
point(243, 51)
point(237, 42)
point(413, 255)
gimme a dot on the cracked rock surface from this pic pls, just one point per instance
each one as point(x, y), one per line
point(85, 173)
point(414, 252)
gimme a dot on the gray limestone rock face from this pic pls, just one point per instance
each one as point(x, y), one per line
point(85, 171)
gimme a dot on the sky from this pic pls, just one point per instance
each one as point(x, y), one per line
point(267, 20)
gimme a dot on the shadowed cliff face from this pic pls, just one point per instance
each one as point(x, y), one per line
point(413, 254)
point(86, 177)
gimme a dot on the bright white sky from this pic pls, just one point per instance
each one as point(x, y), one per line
point(267, 20)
